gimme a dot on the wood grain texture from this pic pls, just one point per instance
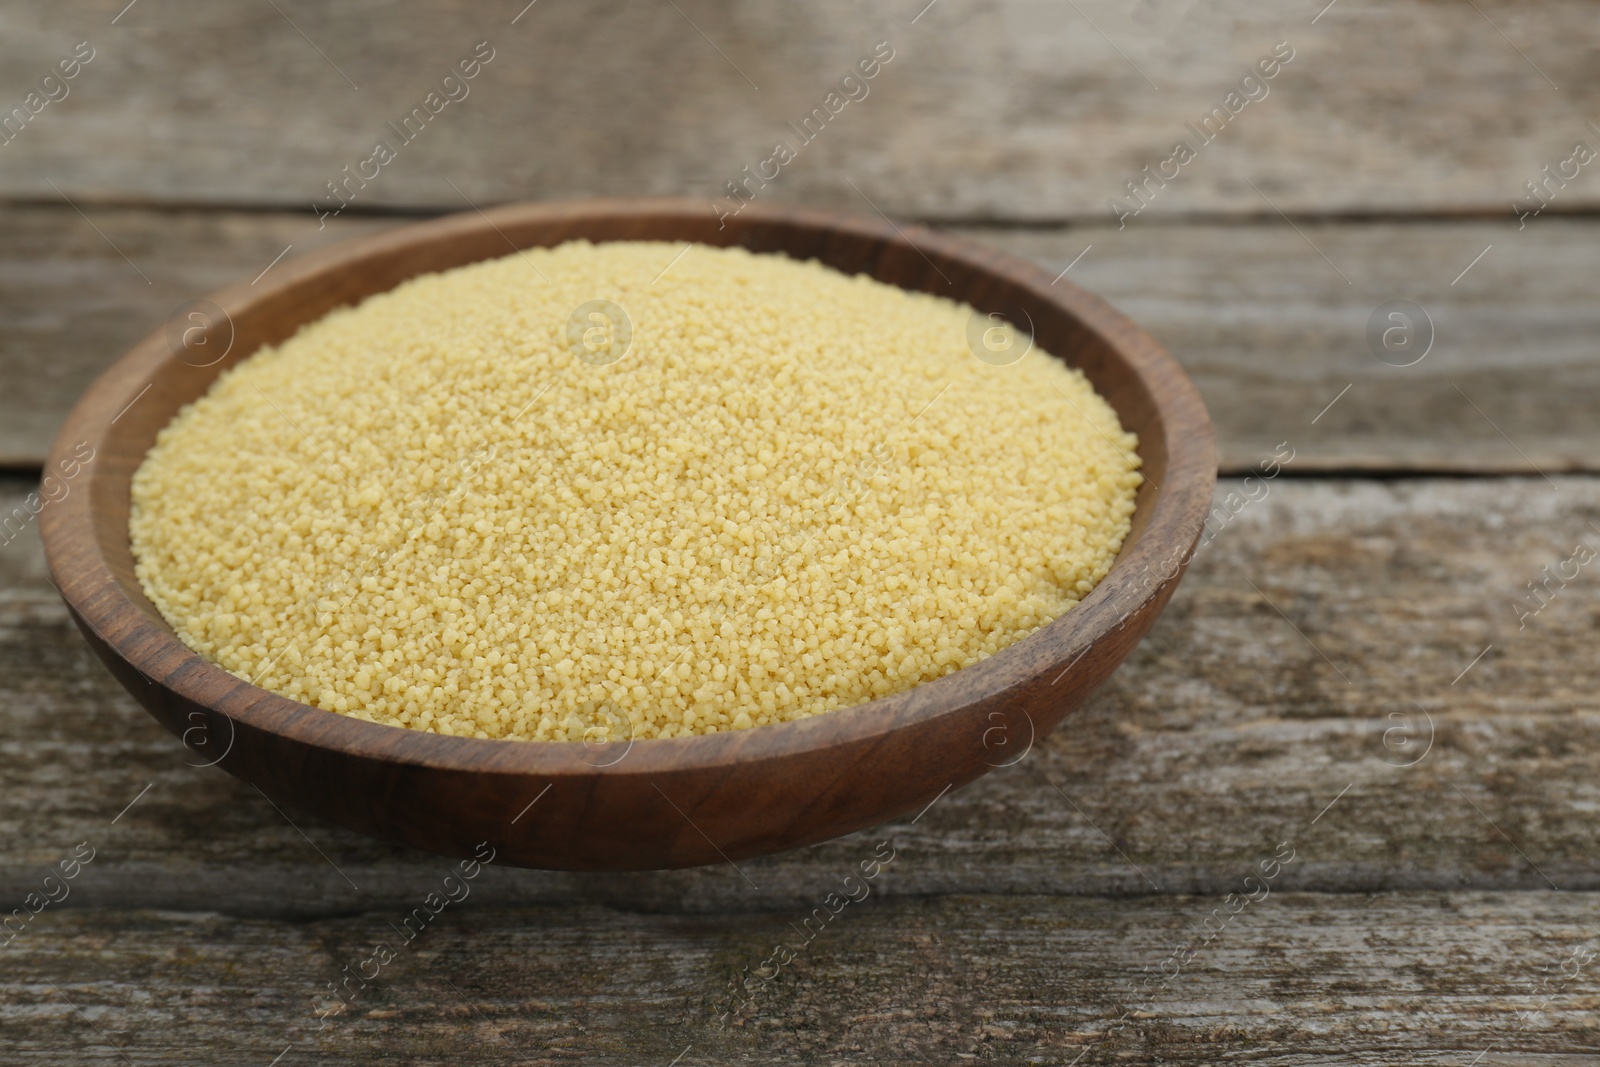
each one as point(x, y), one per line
point(1024, 910)
point(1018, 110)
point(1267, 329)
point(1264, 321)
point(72, 303)
point(1225, 732)
point(662, 802)
point(1292, 979)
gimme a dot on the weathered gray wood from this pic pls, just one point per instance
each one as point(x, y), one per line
point(73, 300)
point(1273, 335)
point(1015, 110)
point(1267, 328)
point(1292, 979)
point(1022, 913)
point(1229, 730)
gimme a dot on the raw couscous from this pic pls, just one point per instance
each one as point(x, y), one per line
point(597, 490)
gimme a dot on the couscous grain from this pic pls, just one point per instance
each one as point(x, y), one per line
point(595, 490)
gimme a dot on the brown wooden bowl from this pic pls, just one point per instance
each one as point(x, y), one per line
point(655, 803)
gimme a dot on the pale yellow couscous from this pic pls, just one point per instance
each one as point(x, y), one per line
point(636, 489)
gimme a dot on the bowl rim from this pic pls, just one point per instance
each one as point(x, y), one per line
point(1162, 547)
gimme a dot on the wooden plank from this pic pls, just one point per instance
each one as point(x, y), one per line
point(74, 299)
point(1263, 320)
point(1016, 110)
point(1295, 979)
point(1264, 324)
point(1329, 635)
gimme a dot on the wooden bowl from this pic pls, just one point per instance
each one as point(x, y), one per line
point(653, 803)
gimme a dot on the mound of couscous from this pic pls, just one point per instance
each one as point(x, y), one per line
point(628, 488)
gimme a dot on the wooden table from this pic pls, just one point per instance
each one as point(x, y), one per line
point(1340, 806)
